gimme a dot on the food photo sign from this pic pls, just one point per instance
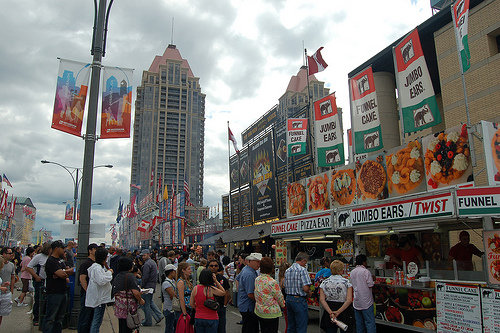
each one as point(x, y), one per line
point(492, 248)
point(491, 142)
point(371, 179)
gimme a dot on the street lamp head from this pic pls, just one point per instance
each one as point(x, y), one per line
point(108, 166)
point(44, 161)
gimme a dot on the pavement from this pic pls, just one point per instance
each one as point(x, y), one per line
point(20, 321)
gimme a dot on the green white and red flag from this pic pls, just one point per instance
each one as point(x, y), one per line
point(460, 14)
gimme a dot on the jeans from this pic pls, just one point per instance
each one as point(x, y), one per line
point(269, 325)
point(150, 310)
point(85, 315)
point(250, 322)
point(365, 320)
point(205, 325)
point(122, 326)
point(221, 327)
point(36, 304)
point(297, 314)
point(56, 309)
point(97, 318)
point(170, 322)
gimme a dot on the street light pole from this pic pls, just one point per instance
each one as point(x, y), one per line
point(75, 198)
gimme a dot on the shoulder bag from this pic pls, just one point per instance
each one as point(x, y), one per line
point(176, 304)
point(210, 303)
point(134, 318)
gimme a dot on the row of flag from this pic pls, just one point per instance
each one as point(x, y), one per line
point(417, 101)
point(4, 179)
point(5, 209)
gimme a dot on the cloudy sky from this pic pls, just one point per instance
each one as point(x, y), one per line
point(244, 53)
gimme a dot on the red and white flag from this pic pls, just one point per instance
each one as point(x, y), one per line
point(152, 177)
point(143, 226)
point(186, 190)
point(133, 207)
point(159, 195)
point(137, 186)
point(316, 63)
point(233, 140)
point(12, 206)
point(3, 202)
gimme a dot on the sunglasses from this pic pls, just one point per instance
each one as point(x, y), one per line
point(213, 265)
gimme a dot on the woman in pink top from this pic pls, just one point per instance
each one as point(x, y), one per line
point(25, 276)
point(205, 320)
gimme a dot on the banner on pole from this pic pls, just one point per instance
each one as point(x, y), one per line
point(417, 101)
point(364, 111)
point(460, 14)
point(328, 132)
point(71, 94)
point(68, 215)
point(296, 137)
point(116, 103)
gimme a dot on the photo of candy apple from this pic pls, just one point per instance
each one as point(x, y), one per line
point(394, 315)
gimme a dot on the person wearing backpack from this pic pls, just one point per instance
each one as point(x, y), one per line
point(203, 301)
point(169, 292)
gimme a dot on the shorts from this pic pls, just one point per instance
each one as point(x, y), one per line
point(26, 284)
point(5, 304)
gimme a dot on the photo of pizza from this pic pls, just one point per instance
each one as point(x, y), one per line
point(343, 186)
point(447, 157)
point(372, 179)
point(296, 198)
point(494, 243)
point(495, 269)
point(317, 187)
point(405, 168)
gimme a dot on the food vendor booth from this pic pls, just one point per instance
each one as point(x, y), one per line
point(432, 238)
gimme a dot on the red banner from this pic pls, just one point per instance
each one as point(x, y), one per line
point(116, 103)
point(71, 94)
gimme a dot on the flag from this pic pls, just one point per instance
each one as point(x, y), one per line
point(6, 180)
point(3, 201)
point(116, 102)
point(137, 186)
point(165, 193)
point(143, 226)
point(152, 177)
point(365, 119)
point(328, 132)
point(460, 14)
point(68, 215)
point(316, 63)
point(186, 190)
point(417, 101)
point(233, 140)
point(159, 193)
point(120, 211)
point(12, 206)
point(71, 94)
point(133, 207)
point(296, 136)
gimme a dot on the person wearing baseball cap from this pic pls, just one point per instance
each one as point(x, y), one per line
point(246, 297)
point(169, 291)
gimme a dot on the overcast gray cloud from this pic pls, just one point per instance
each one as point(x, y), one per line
point(243, 51)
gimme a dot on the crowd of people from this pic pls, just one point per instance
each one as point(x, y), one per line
point(195, 289)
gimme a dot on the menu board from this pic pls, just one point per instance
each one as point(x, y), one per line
point(458, 308)
point(490, 300)
point(280, 251)
point(246, 213)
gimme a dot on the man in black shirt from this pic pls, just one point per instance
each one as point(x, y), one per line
point(213, 265)
point(57, 276)
point(86, 314)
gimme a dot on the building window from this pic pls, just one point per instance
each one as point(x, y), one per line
point(494, 41)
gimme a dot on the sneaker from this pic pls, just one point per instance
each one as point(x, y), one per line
point(23, 304)
point(35, 323)
point(17, 300)
point(29, 312)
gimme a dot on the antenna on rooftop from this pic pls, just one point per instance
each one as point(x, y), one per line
point(172, 35)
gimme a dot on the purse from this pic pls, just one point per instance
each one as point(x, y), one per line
point(176, 304)
point(134, 319)
point(211, 303)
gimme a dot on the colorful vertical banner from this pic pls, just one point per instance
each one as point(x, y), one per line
point(328, 132)
point(71, 94)
point(364, 113)
point(116, 103)
point(68, 215)
point(417, 102)
point(491, 144)
point(296, 136)
point(460, 14)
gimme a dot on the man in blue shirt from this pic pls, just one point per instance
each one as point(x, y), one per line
point(297, 287)
point(246, 297)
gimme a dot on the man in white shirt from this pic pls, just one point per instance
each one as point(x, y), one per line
point(36, 268)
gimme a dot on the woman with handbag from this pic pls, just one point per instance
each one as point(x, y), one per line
point(127, 296)
point(99, 288)
point(184, 289)
point(203, 301)
point(335, 296)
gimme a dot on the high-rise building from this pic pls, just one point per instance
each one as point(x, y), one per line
point(169, 128)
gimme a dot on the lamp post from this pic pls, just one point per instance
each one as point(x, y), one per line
point(76, 181)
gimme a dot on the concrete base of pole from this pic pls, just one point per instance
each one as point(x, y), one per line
point(73, 319)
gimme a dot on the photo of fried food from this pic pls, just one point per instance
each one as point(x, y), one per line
point(296, 198)
point(318, 193)
point(371, 179)
point(405, 168)
point(343, 186)
point(494, 243)
point(495, 269)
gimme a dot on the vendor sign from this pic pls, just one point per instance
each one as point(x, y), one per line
point(417, 208)
point(458, 308)
point(491, 143)
point(305, 224)
point(490, 300)
point(480, 201)
point(492, 248)
point(328, 132)
point(345, 248)
point(296, 137)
